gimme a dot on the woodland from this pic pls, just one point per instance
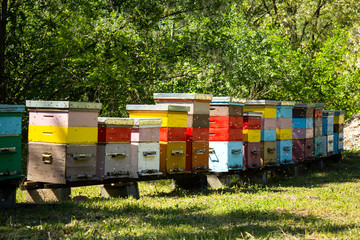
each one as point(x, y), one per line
point(119, 52)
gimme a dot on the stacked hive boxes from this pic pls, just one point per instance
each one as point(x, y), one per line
point(62, 140)
point(145, 147)
point(10, 141)
point(303, 131)
point(226, 134)
point(339, 119)
point(317, 142)
point(197, 130)
point(284, 132)
point(328, 132)
point(268, 131)
point(172, 133)
point(252, 140)
point(114, 147)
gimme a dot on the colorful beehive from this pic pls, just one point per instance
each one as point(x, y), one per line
point(303, 131)
point(225, 134)
point(284, 132)
point(328, 132)
point(339, 120)
point(145, 147)
point(268, 130)
point(252, 140)
point(172, 133)
point(10, 141)
point(317, 142)
point(62, 141)
point(114, 147)
point(197, 129)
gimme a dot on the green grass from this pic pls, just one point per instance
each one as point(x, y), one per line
point(316, 205)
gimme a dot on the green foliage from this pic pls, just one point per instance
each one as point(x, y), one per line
point(121, 51)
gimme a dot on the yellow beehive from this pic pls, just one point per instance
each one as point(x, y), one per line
point(172, 116)
point(173, 157)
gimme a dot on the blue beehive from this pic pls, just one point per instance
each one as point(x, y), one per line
point(284, 152)
point(224, 156)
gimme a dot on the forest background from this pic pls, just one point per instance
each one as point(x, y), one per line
point(121, 52)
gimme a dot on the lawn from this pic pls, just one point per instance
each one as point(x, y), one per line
point(315, 205)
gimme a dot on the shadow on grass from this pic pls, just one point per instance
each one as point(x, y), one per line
point(166, 223)
point(345, 170)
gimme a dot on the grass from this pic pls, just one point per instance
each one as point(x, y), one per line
point(315, 205)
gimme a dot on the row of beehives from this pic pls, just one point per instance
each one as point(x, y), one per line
point(182, 133)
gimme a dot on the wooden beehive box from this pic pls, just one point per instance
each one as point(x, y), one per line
point(284, 152)
point(62, 141)
point(225, 156)
point(10, 141)
point(145, 149)
point(114, 148)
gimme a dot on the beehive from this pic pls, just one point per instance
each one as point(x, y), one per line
point(62, 141)
point(114, 148)
point(172, 133)
point(252, 140)
point(145, 150)
point(284, 113)
point(328, 132)
point(226, 134)
point(317, 142)
point(10, 141)
point(268, 108)
point(197, 132)
point(303, 131)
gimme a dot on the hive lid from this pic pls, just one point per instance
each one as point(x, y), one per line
point(12, 108)
point(252, 114)
point(328, 113)
point(304, 105)
point(261, 102)
point(154, 122)
point(62, 105)
point(193, 96)
point(228, 101)
point(286, 103)
point(339, 112)
point(115, 121)
point(319, 105)
point(175, 108)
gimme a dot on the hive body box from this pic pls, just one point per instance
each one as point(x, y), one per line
point(145, 148)
point(252, 140)
point(317, 146)
point(197, 129)
point(339, 119)
point(328, 132)
point(226, 134)
point(303, 131)
point(284, 132)
point(114, 148)
point(172, 133)
point(268, 109)
point(62, 141)
point(10, 141)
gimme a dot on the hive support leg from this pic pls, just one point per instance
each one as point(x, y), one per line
point(48, 195)
point(256, 177)
point(190, 183)
point(292, 170)
point(8, 193)
point(215, 182)
point(123, 190)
